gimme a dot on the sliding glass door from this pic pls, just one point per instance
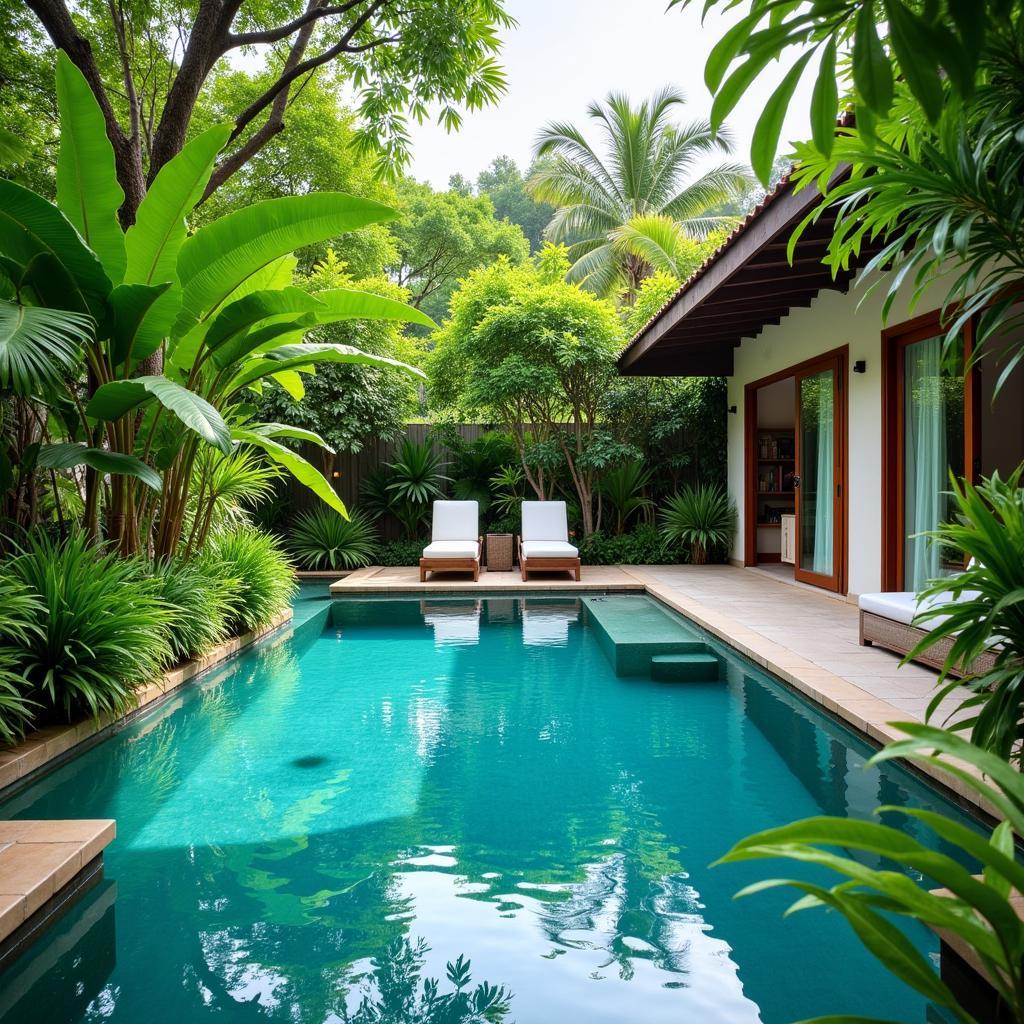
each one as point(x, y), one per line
point(929, 435)
point(819, 479)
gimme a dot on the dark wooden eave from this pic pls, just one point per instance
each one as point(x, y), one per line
point(747, 285)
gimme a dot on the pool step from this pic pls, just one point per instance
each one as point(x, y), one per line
point(633, 630)
point(685, 668)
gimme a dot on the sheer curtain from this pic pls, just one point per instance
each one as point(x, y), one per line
point(926, 460)
point(823, 503)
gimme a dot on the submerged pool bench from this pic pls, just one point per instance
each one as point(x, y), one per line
point(640, 639)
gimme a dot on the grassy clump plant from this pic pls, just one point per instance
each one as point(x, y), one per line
point(103, 627)
point(322, 539)
point(200, 602)
point(18, 623)
point(257, 572)
point(703, 518)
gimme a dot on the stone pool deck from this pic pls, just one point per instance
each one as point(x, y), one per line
point(806, 637)
point(44, 867)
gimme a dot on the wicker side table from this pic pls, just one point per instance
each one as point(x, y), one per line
point(499, 552)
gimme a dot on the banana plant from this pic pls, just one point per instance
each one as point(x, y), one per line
point(86, 307)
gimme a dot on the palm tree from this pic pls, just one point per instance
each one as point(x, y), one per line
point(603, 205)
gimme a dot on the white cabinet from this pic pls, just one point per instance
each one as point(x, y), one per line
point(788, 532)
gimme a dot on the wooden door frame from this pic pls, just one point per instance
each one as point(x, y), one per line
point(895, 340)
point(841, 356)
point(835, 364)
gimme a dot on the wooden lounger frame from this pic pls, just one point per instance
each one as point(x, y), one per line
point(902, 639)
point(463, 564)
point(557, 563)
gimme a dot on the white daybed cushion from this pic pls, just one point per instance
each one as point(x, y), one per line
point(545, 520)
point(903, 606)
point(456, 520)
point(548, 549)
point(452, 549)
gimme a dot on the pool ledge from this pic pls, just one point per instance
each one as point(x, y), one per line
point(867, 714)
point(45, 866)
point(55, 743)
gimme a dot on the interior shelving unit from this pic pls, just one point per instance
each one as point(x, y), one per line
point(776, 464)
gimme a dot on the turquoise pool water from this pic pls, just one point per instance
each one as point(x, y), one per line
point(309, 834)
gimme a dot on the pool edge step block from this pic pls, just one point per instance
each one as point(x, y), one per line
point(685, 668)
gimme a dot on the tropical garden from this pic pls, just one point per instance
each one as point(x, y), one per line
point(215, 280)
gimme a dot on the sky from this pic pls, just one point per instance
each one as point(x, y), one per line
point(566, 53)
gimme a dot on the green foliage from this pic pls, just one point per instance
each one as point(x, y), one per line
point(475, 465)
point(644, 545)
point(104, 628)
point(525, 349)
point(509, 488)
point(703, 517)
point(982, 608)
point(442, 236)
point(625, 214)
point(261, 572)
point(399, 552)
point(346, 404)
point(19, 624)
point(977, 910)
point(322, 539)
point(416, 476)
point(505, 186)
point(622, 488)
point(931, 48)
point(200, 604)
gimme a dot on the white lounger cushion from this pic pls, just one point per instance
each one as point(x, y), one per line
point(548, 549)
point(902, 606)
point(456, 520)
point(452, 548)
point(545, 520)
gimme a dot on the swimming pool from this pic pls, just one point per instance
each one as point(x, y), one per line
point(311, 832)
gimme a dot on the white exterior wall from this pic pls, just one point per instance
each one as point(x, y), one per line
point(832, 321)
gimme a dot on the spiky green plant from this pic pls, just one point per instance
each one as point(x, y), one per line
point(19, 623)
point(982, 609)
point(416, 475)
point(322, 539)
point(701, 517)
point(262, 575)
point(200, 603)
point(622, 487)
point(104, 629)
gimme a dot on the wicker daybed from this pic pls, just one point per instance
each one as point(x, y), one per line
point(886, 620)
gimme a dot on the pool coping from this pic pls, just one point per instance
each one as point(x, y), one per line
point(868, 715)
point(48, 747)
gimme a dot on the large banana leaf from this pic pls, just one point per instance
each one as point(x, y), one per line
point(88, 193)
point(219, 257)
point(289, 357)
point(295, 464)
point(348, 304)
point(154, 241)
point(38, 346)
point(12, 149)
point(65, 456)
point(44, 281)
point(29, 225)
point(227, 336)
point(287, 430)
point(119, 397)
point(135, 333)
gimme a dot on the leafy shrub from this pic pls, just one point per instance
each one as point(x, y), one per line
point(884, 873)
point(399, 552)
point(103, 628)
point(416, 477)
point(474, 466)
point(982, 606)
point(643, 546)
point(622, 488)
point(322, 539)
point(21, 612)
point(703, 518)
point(200, 603)
point(258, 573)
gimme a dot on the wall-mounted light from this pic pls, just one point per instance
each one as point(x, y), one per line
point(336, 474)
point(860, 366)
point(732, 409)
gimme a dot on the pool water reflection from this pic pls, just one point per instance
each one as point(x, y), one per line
point(320, 829)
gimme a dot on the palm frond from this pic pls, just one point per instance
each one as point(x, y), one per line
point(39, 346)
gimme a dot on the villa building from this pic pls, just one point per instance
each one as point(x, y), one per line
point(842, 431)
